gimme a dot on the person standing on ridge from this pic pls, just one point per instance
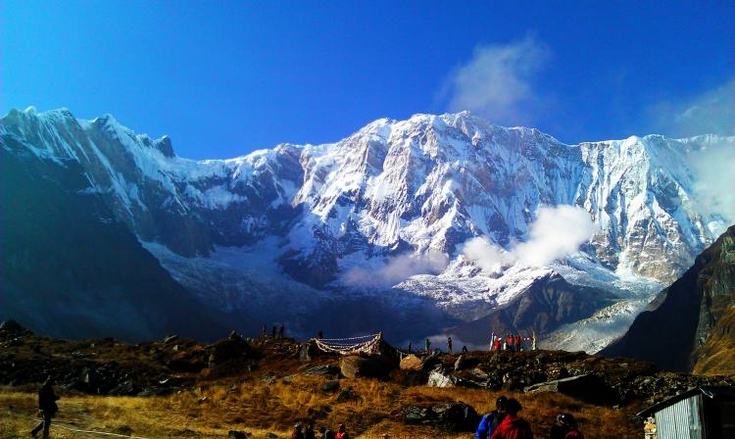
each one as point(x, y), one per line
point(47, 405)
point(427, 346)
point(449, 344)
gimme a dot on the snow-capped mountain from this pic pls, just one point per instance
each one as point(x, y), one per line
point(383, 214)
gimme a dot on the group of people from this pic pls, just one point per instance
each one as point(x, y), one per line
point(277, 331)
point(306, 431)
point(427, 347)
point(504, 423)
point(511, 342)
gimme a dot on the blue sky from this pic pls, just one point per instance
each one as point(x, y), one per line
point(224, 78)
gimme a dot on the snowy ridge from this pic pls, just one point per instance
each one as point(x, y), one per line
point(412, 188)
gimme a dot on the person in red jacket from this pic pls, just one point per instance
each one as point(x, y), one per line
point(342, 432)
point(512, 426)
point(509, 342)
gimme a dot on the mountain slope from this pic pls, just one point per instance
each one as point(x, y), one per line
point(690, 324)
point(70, 269)
point(385, 212)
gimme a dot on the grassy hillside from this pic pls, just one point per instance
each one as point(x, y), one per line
point(260, 407)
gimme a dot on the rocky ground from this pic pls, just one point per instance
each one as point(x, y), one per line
point(175, 366)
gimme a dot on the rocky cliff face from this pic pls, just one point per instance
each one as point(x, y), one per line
point(296, 222)
point(690, 325)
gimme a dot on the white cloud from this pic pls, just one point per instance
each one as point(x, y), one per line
point(557, 232)
point(396, 269)
point(712, 112)
point(714, 169)
point(496, 82)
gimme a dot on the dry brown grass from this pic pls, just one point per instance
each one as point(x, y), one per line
point(259, 407)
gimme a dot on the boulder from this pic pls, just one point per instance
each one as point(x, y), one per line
point(589, 388)
point(235, 434)
point(11, 327)
point(430, 362)
point(308, 351)
point(330, 386)
point(355, 366)
point(411, 362)
point(346, 395)
point(326, 370)
point(451, 416)
point(439, 379)
point(229, 349)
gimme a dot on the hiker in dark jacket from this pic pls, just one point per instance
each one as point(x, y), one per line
point(326, 433)
point(490, 421)
point(342, 432)
point(512, 426)
point(565, 427)
point(309, 432)
point(297, 432)
point(47, 405)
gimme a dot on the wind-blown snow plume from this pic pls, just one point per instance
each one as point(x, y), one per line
point(396, 269)
point(557, 232)
point(496, 81)
point(714, 168)
point(712, 112)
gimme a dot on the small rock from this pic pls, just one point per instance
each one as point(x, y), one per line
point(124, 430)
point(452, 416)
point(459, 363)
point(330, 386)
point(235, 434)
point(348, 395)
point(326, 370)
point(438, 379)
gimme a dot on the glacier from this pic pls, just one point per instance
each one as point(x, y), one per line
point(276, 232)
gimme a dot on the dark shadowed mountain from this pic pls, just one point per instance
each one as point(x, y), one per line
point(69, 268)
point(691, 324)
